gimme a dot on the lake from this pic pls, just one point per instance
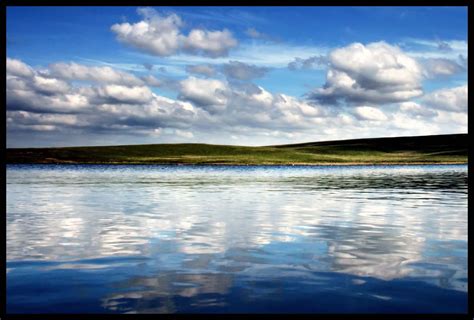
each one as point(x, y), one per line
point(236, 239)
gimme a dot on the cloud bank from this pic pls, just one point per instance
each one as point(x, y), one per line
point(370, 90)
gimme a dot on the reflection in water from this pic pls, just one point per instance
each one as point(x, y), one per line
point(221, 239)
point(160, 292)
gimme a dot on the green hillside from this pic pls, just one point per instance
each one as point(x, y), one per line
point(422, 149)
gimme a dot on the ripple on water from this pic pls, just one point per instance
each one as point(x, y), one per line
point(166, 239)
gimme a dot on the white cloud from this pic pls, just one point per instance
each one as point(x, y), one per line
point(123, 94)
point(150, 117)
point(211, 43)
point(32, 92)
point(49, 85)
point(204, 92)
point(452, 99)
point(375, 73)
point(413, 125)
point(255, 107)
point(18, 68)
point(184, 133)
point(453, 120)
point(416, 110)
point(74, 71)
point(161, 36)
point(25, 118)
point(294, 105)
point(264, 97)
point(35, 101)
point(152, 81)
point(156, 35)
point(369, 113)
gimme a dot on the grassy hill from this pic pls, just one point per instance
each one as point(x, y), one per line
point(414, 150)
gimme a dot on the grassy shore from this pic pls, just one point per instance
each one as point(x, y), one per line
point(399, 150)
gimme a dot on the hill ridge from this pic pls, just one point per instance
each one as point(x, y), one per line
point(451, 148)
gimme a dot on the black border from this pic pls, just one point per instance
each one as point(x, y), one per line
point(7, 3)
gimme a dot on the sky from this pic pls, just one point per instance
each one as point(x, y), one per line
point(233, 75)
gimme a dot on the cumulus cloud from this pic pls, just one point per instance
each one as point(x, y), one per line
point(135, 110)
point(40, 122)
point(152, 81)
point(30, 100)
point(161, 35)
point(452, 99)
point(369, 113)
point(158, 113)
point(19, 68)
point(374, 73)
point(121, 94)
point(416, 110)
point(49, 85)
point(254, 108)
point(202, 69)
point(74, 71)
point(207, 93)
point(105, 75)
point(293, 107)
point(242, 71)
point(155, 34)
point(249, 106)
point(441, 111)
point(28, 90)
point(211, 43)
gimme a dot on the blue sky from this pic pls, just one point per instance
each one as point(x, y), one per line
point(250, 93)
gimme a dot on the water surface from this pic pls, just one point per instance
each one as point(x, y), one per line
point(167, 239)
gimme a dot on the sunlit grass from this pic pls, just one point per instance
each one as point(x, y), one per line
point(345, 153)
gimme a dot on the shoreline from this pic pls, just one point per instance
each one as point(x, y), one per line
point(245, 164)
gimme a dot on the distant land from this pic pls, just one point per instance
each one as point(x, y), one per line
point(435, 149)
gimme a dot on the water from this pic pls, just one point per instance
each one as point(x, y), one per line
point(168, 239)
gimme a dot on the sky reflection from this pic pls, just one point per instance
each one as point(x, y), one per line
point(210, 234)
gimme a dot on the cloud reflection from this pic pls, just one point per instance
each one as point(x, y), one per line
point(199, 228)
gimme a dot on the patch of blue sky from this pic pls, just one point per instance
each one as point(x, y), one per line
point(294, 83)
point(445, 82)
